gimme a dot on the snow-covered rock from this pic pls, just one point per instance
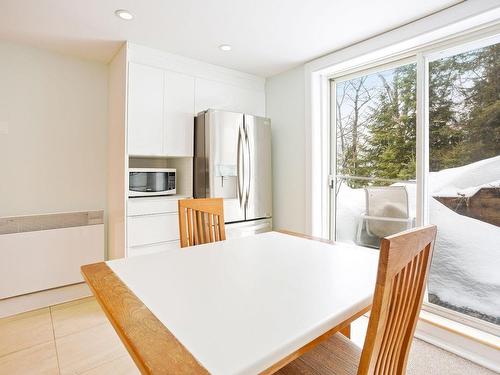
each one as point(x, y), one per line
point(467, 179)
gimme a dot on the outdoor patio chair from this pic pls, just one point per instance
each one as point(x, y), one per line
point(387, 213)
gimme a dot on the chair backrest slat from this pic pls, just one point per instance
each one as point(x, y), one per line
point(211, 227)
point(199, 226)
point(195, 228)
point(403, 267)
point(201, 221)
point(190, 234)
point(217, 228)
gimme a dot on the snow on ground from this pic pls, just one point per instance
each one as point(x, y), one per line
point(466, 264)
point(350, 206)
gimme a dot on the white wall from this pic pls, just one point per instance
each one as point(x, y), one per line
point(53, 136)
point(285, 107)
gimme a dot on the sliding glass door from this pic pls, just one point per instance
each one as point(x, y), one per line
point(374, 158)
point(375, 139)
point(464, 181)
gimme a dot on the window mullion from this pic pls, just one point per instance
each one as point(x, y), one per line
point(422, 152)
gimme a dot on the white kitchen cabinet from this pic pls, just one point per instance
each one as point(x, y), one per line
point(160, 112)
point(145, 110)
point(151, 205)
point(152, 224)
point(179, 114)
point(149, 229)
point(218, 95)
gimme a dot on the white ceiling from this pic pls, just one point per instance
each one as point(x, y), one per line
point(268, 36)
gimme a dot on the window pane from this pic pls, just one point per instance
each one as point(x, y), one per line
point(375, 155)
point(376, 125)
point(464, 183)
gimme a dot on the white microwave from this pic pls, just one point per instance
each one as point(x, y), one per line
point(145, 182)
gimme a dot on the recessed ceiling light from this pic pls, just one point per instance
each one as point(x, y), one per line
point(225, 47)
point(124, 14)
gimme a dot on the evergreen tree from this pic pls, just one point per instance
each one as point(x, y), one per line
point(465, 108)
point(390, 153)
point(445, 134)
point(483, 120)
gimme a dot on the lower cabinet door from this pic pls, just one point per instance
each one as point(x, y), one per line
point(151, 206)
point(150, 229)
point(153, 248)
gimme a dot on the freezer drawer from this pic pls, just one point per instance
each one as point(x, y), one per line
point(249, 228)
point(149, 229)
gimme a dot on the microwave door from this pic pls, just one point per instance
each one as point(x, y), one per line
point(138, 182)
point(145, 182)
point(225, 164)
point(258, 189)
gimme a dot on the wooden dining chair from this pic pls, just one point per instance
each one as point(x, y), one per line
point(201, 221)
point(401, 279)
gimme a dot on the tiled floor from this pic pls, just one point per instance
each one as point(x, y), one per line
point(72, 338)
point(76, 338)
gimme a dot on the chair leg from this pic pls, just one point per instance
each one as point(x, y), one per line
point(346, 331)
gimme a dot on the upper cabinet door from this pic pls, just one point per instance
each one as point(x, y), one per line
point(179, 114)
point(145, 110)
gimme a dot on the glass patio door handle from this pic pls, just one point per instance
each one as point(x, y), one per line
point(331, 181)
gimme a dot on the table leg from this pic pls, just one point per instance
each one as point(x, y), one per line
point(346, 331)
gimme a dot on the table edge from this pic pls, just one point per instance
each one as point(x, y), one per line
point(306, 236)
point(157, 349)
point(318, 340)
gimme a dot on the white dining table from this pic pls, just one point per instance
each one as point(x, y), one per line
point(241, 306)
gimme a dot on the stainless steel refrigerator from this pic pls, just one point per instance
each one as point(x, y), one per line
point(232, 160)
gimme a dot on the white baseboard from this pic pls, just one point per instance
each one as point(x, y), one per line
point(476, 346)
point(45, 298)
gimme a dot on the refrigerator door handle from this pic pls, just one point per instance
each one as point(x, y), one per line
point(249, 165)
point(239, 168)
